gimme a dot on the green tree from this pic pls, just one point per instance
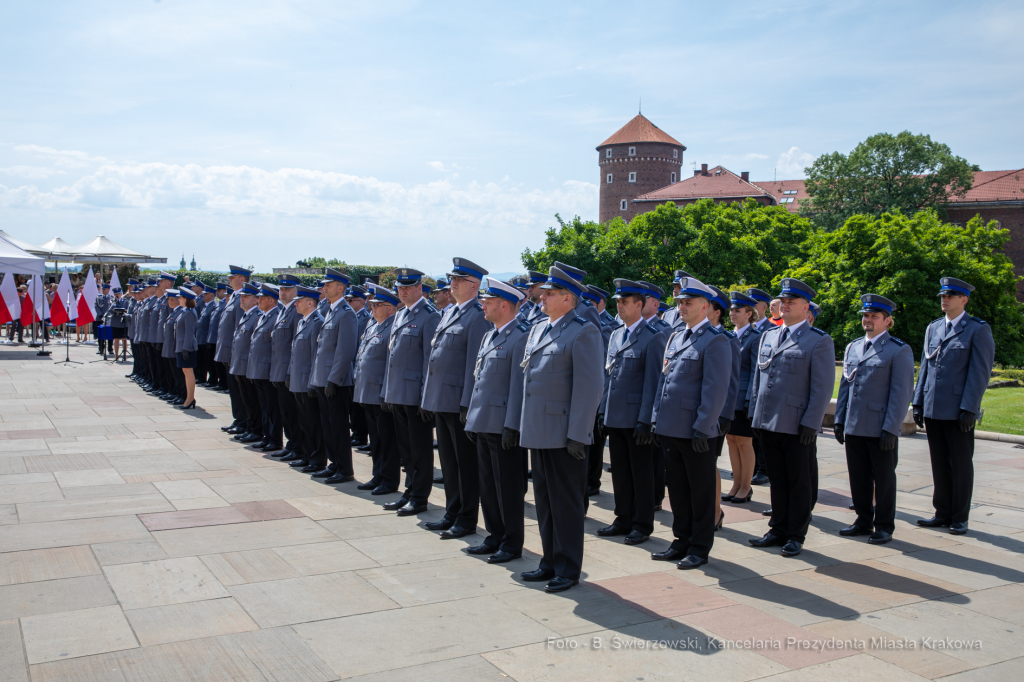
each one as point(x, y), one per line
point(885, 172)
point(902, 258)
point(721, 244)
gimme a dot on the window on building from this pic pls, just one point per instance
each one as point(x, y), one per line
point(608, 178)
point(673, 177)
point(675, 153)
point(632, 176)
point(632, 151)
point(790, 191)
point(787, 200)
point(607, 153)
point(622, 205)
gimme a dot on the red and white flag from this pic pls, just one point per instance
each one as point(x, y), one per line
point(10, 304)
point(87, 300)
point(115, 282)
point(63, 308)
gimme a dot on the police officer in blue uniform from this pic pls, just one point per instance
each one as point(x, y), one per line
point(742, 312)
point(300, 369)
point(332, 378)
point(563, 386)
point(671, 318)
point(874, 392)
point(446, 393)
point(230, 314)
point(691, 395)
point(281, 338)
point(956, 365)
point(241, 339)
point(633, 361)
point(204, 356)
point(258, 371)
point(493, 422)
point(371, 362)
point(355, 296)
point(791, 388)
point(409, 355)
point(218, 379)
point(533, 294)
point(595, 453)
point(102, 303)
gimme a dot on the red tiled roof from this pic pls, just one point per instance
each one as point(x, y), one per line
point(719, 183)
point(994, 186)
point(778, 189)
point(640, 130)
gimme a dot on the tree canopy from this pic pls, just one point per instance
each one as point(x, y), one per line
point(885, 172)
point(902, 258)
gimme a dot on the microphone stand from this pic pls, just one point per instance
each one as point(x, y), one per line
point(67, 342)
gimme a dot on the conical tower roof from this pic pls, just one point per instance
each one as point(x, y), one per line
point(640, 130)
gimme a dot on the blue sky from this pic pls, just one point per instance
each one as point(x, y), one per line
point(406, 133)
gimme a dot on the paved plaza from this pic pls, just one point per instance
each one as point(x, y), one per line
point(137, 542)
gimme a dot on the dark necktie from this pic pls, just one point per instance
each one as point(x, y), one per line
point(785, 335)
point(949, 327)
point(686, 334)
point(546, 330)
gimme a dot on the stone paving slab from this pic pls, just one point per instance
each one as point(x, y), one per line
point(138, 542)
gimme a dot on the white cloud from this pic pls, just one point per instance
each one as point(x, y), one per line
point(32, 172)
point(791, 164)
point(246, 190)
point(61, 157)
point(436, 165)
point(755, 157)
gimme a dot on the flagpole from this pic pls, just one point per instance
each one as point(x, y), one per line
point(42, 321)
point(67, 340)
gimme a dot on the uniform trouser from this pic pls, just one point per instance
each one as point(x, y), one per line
point(659, 472)
point(235, 394)
point(872, 472)
point(312, 442)
point(270, 410)
point(177, 377)
point(202, 369)
point(156, 376)
point(633, 481)
point(360, 430)
point(416, 445)
point(387, 463)
point(334, 422)
point(759, 467)
point(952, 455)
point(789, 469)
point(559, 490)
point(595, 458)
point(250, 405)
point(287, 407)
point(460, 469)
point(502, 493)
point(138, 364)
point(691, 492)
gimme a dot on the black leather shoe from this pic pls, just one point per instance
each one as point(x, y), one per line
point(272, 447)
point(537, 575)
point(691, 561)
point(456, 532)
point(767, 512)
point(259, 446)
point(357, 443)
point(668, 555)
point(635, 538)
point(443, 524)
point(590, 493)
point(478, 550)
point(396, 504)
point(282, 454)
point(792, 548)
point(411, 509)
point(760, 479)
point(322, 473)
point(958, 528)
point(851, 531)
point(369, 485)
point(338, 478)
point(933, 522)
point(311, 469)
point(299, 464)
point(502, 557)
point(229, 426)
point(291, 457)
point(611, 531)
point(439, 479)
point(364, 449)
point(560, 584)
point(234, 431)
point(382, 490)
point(879, 538)
point(251, 438)
point(768, 540)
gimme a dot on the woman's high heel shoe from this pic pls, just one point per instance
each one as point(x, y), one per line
point(726, 497)
point(721, 520)
point(190, 406)
point(742, 500)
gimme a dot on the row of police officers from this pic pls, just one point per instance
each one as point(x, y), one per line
point(536, 371)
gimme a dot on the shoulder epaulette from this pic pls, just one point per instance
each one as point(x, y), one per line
point(977, 319)
point(430, 306)
point(581, 320)
point(714, 330)
point(937, 319)
point(523, 327)
point(652, 328)
point(476, 304)
point(756, 330)
point(819, 332)
point(731, 335)
point(898, 342)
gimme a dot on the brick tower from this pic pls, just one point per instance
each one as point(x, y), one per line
point(637, 159)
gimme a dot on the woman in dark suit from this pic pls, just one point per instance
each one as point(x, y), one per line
point(186, 346)
point(743, 314)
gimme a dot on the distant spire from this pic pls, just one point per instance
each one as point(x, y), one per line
point(640, 108)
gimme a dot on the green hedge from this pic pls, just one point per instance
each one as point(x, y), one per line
point(357, 272)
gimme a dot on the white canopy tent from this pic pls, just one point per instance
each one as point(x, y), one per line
point(16, 260)
point(99, 250)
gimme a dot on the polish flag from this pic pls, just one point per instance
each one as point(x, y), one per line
point(10, 304)
point(39, 299)
point(59, 313)
point(87, 300)
point(115, 283)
